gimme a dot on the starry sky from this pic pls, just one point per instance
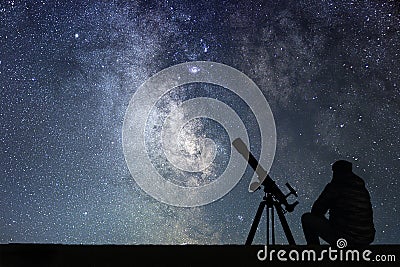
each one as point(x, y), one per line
point(330, 71)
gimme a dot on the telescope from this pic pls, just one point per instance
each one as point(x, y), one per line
point(273, 198)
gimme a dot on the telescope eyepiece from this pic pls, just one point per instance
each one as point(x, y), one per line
point(290, 207)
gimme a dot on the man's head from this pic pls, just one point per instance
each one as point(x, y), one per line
point(342, 167)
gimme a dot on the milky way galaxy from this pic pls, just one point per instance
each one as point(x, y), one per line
point(330, 71)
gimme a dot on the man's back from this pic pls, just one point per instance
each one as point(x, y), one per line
point(350, 209)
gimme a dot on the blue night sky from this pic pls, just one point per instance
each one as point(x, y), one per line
point(330, 71)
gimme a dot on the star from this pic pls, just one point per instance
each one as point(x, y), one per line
point(68, 71)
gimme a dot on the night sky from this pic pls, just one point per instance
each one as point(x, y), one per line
point(330, 71)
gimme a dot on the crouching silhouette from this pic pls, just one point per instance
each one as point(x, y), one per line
point(350, 210)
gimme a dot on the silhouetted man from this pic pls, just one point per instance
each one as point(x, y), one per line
point(350, 210)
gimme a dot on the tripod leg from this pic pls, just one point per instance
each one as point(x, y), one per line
point(267, 209)
point(284, 224)
point(256, 221)
point(272, 226)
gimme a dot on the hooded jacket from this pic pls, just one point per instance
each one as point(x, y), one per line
point(349, 205)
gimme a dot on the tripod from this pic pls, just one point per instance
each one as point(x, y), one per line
point(270, 204)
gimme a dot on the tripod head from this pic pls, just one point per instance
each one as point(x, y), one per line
point(270, 187)
point(264, 179)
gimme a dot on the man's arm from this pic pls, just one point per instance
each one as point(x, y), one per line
point(324, 201)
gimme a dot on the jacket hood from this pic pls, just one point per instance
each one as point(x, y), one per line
point(349, 178)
